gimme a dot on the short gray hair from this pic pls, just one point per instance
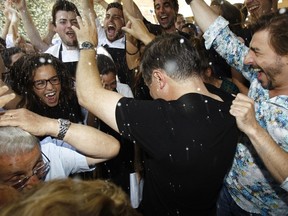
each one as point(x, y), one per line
point(14, 140)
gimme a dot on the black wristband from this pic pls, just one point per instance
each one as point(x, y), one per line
point(132, 53)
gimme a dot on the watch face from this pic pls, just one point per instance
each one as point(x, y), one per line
point(86, 45)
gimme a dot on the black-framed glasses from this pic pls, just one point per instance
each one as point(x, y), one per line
point(40, 170)
point(41, 84)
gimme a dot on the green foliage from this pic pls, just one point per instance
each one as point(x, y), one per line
point(40, 11)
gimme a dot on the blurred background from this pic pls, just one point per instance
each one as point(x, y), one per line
point(41, 11)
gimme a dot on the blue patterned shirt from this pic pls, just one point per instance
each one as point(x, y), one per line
point(249, 182)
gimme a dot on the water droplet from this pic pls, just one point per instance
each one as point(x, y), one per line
point(171, 159)
point(282, 10)
point(42, 60)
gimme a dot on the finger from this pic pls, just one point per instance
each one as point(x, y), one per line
point(3, 89)
point(243, 97)
point(80, 22)
point(6, 98)
point(127, 30)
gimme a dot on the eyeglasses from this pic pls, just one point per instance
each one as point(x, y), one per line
point(41, 84)
point(41, 169)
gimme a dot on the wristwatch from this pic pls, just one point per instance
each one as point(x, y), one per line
point(86, 45)
point(63, 128)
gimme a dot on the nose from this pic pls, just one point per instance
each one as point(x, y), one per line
point(249, 58)
point(49, 85)
point(33, 180)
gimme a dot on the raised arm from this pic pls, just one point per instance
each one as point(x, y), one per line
point(99, 101)
point(47, 39)
point(8, 17)
point(29, 25)
point(103, 3)
point(273, 156)
point(137, 29)
point(88, 7)
point(96, 145)
point(132, 9)
point(203, 14)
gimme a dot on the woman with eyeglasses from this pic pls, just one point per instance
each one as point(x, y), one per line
point(45, 87)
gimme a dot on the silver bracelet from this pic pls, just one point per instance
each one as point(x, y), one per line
point(63, 128)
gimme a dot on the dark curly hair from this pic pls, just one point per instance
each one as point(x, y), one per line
point(21, 81)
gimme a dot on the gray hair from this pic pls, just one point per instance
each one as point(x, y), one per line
point(14, 140)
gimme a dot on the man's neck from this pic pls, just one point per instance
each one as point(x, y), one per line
point(172, 29)
point(70, 47)
point(277, 92)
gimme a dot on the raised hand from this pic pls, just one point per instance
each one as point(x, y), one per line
point(137, 29)
point(87, 30)
point(5, 98)
point(243, 110)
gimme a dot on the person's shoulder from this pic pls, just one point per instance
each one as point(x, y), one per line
point(54, 49)
point(124, 89)
point(225, 96)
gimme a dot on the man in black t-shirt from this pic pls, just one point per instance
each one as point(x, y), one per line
point(187, 133)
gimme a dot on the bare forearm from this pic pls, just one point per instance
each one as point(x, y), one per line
point(203, 14)
point(88, 7)
point(85, 139)
point(273, 156)
point(31, 31)
point(87, 68)
point(5, 29)
point(132, 9)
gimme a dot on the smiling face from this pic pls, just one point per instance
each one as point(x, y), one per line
point(113, 23)
point(257, 8)
point(64, 20)
point(165, 14)
point(271, 68)
point(49, 94)
point(180, 21)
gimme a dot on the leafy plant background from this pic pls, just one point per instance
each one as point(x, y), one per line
point(40, 11)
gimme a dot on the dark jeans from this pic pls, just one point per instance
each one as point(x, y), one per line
point(226, 206)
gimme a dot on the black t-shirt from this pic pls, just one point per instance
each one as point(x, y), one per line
point(189, 146)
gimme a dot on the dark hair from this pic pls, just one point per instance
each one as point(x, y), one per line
point(191, 26)
point(64, 6)
point(114, 5)
point(229, 12)
point(2, 43)
point(22, 74)
point(276, 24)
point(105, 64)
point(7, 53)
point(173, 53)
point(175, 5)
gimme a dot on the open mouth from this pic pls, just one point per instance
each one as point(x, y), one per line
point(253, 8)
point(111, 29)
point(163, 17)
point(51, 94)
point(51, 99)
point(70, 34)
